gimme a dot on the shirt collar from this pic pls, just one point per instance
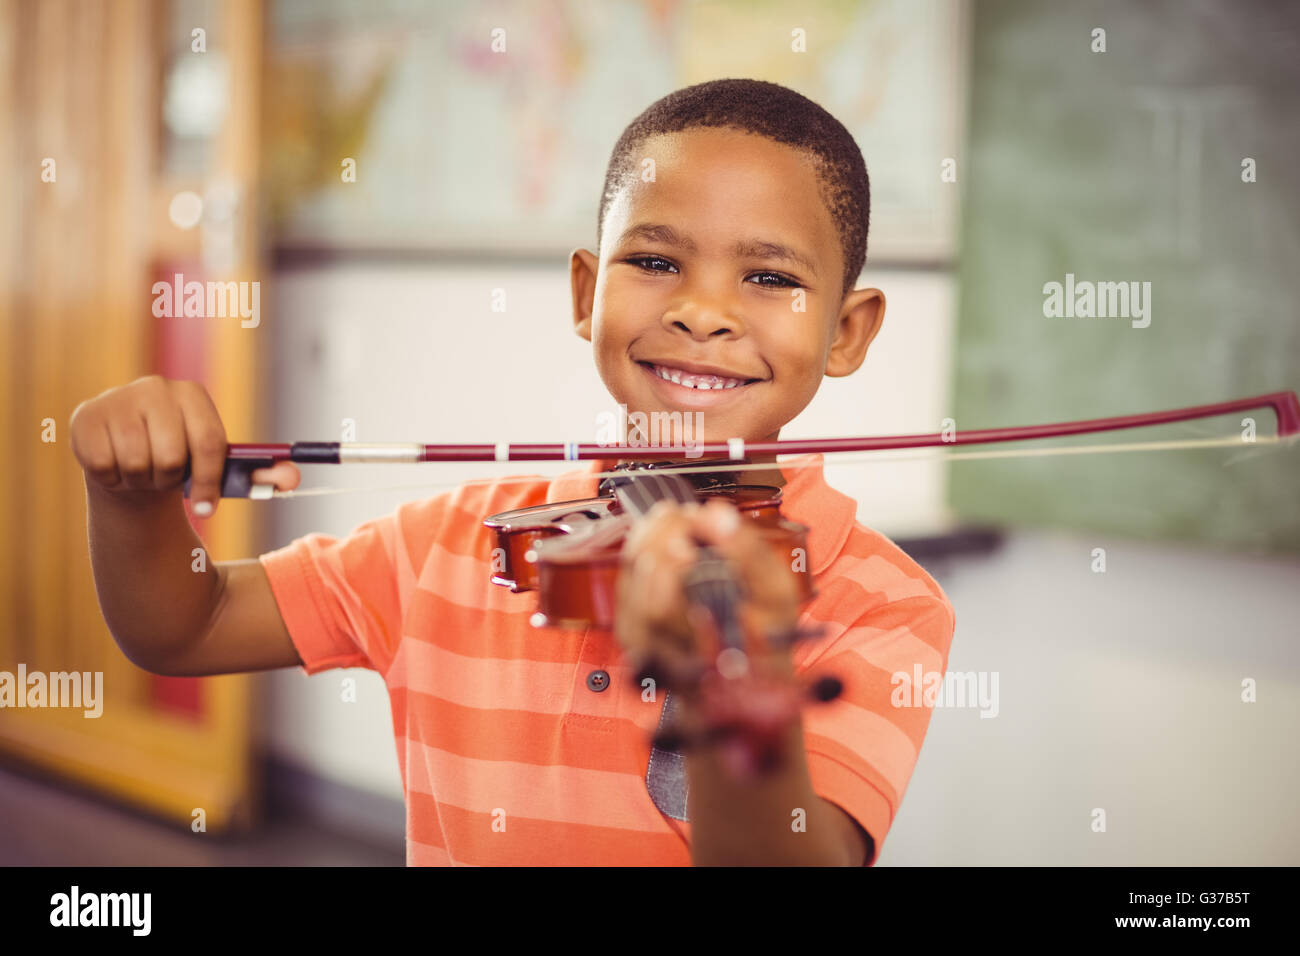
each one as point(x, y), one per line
point(806, 499)
point(828, 514)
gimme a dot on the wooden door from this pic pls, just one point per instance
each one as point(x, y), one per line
point(86, 181)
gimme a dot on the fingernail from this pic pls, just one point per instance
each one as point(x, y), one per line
point(203, 508)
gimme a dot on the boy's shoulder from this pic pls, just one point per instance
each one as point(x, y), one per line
point(893, 570)
point(859, 571)
point(455, 517)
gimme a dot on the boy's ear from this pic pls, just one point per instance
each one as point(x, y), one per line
point(860, 318)
point(583, 266)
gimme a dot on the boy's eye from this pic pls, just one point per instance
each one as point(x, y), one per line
point(774, 279)
point(782, 282)
point(643, 261)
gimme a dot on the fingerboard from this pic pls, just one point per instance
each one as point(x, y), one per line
point(637, 490)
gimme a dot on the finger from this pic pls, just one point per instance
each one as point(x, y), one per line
point(130, 440)
point(769, 648)
point(653, 560)
point(93, 447)
point(168, 447)
point(664, 520)
point(716, 521)
point(767, 580)
point(720, 526)
point(770, 611)
point(206, 443)
point(283, 474)
point(648, 614)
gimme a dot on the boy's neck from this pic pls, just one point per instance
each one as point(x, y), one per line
point(770, 475)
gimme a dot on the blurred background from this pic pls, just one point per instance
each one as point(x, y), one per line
point(390, 172)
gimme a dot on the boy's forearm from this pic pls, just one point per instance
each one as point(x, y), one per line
point(141, 553)
point(758, 822)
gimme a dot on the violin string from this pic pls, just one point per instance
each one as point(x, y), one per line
point(882, 456)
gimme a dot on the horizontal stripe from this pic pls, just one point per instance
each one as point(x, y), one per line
point(539, 687)
point(890, 649)
point(527, 842)
point(554, 794)
point(877, 740)
point(465, 581)
point(846, 757)
point(876, 575)
point(422, 854)
point(871, 689)
point(485, 682)
point(487, 632)
point(520, 736)
point(455, 520)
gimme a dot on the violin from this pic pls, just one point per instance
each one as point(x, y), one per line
point(570, 554)
point(568, 551)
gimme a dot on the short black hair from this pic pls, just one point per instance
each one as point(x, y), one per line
point(778, 113)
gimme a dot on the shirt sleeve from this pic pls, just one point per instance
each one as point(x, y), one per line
point(863, 746)
point(339, 597)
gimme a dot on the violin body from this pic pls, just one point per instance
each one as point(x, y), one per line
point(569, 551)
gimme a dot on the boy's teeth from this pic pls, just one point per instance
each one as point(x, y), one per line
point(689, 380)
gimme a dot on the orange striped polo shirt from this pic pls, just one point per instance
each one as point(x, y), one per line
point(509, 755)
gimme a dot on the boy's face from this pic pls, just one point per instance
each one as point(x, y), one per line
point(707, 297)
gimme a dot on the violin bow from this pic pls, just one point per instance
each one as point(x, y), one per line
point(243, 459)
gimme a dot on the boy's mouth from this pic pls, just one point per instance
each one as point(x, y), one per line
point(697, 378)
point(692, 387)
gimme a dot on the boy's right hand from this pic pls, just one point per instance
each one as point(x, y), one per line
point(136, 440)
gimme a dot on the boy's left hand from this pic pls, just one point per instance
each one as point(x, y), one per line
point(654, 622)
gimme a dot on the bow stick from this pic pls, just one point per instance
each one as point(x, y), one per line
point(243, 459)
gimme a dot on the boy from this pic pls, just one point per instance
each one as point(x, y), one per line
point(731, 232)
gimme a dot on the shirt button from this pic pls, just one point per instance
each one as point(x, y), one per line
point(598, 681)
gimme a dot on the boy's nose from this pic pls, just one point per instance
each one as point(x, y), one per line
point(702, 322)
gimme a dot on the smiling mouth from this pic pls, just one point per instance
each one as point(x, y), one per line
point(696, 380)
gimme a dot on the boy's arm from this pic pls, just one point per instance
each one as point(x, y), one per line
point(168, 618)
point(245, 631)
point(753, 822)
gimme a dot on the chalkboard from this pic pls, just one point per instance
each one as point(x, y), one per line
point(1127, 156)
